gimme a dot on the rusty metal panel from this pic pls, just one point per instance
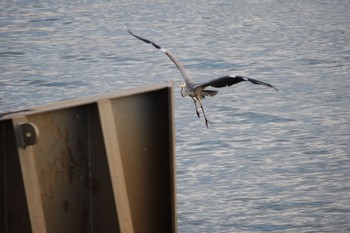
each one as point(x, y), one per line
point(71, 171)
point(14, 216)
point(145, 142)
point(98, 164)
point(116, 166)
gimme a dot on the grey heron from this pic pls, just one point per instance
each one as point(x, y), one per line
point(197, 91)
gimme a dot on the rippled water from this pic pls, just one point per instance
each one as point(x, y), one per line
point(272, 161)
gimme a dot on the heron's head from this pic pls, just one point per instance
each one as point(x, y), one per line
point(184, 91)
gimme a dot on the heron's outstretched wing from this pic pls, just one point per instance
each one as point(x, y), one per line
point(229, 80)
point(169, 54)
point(145, 40)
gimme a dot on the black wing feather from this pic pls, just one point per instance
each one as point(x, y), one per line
point(145, 40)
point(222, 82)
point(261, 83)
point(228, 80)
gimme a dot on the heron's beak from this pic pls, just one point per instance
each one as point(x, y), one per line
point(181, 91)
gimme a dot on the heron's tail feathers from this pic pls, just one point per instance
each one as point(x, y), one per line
point(209, 93)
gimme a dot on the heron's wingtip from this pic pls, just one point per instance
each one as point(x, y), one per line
point(129, 31)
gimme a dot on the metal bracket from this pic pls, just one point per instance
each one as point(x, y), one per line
point(27, 134)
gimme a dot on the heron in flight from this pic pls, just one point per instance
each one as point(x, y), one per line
point(198, 91)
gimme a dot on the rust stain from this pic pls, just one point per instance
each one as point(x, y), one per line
point(64, 168)
point(65, 206)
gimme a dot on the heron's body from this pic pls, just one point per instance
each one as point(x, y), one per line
point(198, 91)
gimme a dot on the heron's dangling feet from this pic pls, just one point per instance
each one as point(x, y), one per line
point(195, 105)
point(205, 117)
point(207, 121)
point(198, 113)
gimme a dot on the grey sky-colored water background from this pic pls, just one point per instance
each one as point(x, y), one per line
point(272, 161)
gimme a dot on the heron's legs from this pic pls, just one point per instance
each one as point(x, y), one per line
point(195, 104)
point(205, 117)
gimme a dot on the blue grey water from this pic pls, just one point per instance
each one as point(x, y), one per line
point(272, 161)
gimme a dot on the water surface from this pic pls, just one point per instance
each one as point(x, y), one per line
point(272, 161)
